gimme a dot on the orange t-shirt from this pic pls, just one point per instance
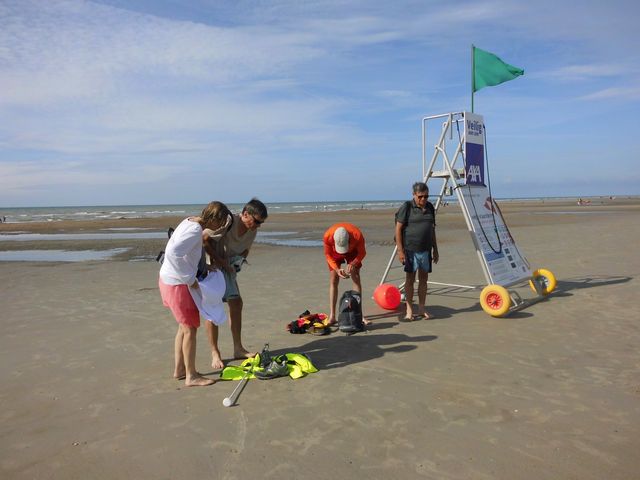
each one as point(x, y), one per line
point(356, 251)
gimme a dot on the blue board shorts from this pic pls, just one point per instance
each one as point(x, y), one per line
point(232, 290)
point(414, 261)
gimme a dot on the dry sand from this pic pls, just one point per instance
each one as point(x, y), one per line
point(550, 392)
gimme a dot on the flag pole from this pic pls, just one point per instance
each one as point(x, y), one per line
point(473, 69)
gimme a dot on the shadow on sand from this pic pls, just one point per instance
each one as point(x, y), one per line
point(339, 350)
point(565, 286)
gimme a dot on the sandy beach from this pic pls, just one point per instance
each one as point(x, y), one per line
point(549, 392)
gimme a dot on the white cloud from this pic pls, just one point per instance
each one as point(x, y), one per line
point(394, 93)
point(621, 93)
point(585, 71)
point(269, 84)
point(20, 177)
point(60, 50)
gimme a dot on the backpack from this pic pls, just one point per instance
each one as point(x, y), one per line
point(350, 312)
point(160, 256)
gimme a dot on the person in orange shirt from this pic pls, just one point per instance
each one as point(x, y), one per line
point(343, 243)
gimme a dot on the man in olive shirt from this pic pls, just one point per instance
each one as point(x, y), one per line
point(417, 246)
point(234, 248)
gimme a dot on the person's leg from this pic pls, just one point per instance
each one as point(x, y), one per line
point(334, 279)
point(193, 378)
point(423, 278)
point(179, 370)
point(212, 336)
point(357, 286)
point(409, 279)
point(235, 319)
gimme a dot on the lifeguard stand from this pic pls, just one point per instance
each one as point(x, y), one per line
point(459, 156)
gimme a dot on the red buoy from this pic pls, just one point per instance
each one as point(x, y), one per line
point(387, 296)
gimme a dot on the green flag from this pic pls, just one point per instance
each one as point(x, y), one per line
point(489, 70)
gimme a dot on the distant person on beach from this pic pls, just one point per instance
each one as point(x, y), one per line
point(234, 248)
point(343, 243)
point(178, 273)
point(417, 246)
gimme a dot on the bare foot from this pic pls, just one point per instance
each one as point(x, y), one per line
point(243, 353)
point(198, 381)
point(331, 321)
point(425, 315)
point(182, 375)
point(366, 322)
point(409, 314)
point(216, 361)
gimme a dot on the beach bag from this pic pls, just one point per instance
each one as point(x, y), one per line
point(350, 312)
point(313, 323)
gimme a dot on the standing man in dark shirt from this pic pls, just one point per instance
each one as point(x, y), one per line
point(417, 246)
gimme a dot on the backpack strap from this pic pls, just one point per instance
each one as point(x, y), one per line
point(406, 216)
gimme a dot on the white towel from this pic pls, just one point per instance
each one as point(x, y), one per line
point(208, 297)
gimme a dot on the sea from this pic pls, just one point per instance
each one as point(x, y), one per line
point(109, 212)
point(17, 216)
point(24, 215)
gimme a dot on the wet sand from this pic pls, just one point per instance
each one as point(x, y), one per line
point(549, 392)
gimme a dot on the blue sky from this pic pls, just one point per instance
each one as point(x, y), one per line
point(167, 101)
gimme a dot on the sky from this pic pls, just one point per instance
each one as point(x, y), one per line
point(117, 102)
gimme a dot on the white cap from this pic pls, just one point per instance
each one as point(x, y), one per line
point(341, 240)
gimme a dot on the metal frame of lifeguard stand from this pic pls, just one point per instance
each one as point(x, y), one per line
point(452, 178)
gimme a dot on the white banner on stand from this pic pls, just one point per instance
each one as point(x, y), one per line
point(504, 262)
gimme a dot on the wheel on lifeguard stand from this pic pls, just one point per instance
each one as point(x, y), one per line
point(543, 282)
point(495, 300)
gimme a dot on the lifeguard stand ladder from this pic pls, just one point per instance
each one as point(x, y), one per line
point(503, 265)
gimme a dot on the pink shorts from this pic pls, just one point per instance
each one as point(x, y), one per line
point(178, 299)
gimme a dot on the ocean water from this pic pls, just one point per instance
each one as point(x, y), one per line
point(107, 212)
point(58, 255)
point(23, 215)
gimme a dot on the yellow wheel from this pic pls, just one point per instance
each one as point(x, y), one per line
point(543, 282)
point(495, 300)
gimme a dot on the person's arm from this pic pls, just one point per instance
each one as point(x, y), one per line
point(327, 254)
point(218, 261)
point(434, 246)
point(361, 252)
point(434, 243)
point(400, 241)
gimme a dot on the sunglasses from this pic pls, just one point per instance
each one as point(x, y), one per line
point(258, 222)
point(421, 196)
